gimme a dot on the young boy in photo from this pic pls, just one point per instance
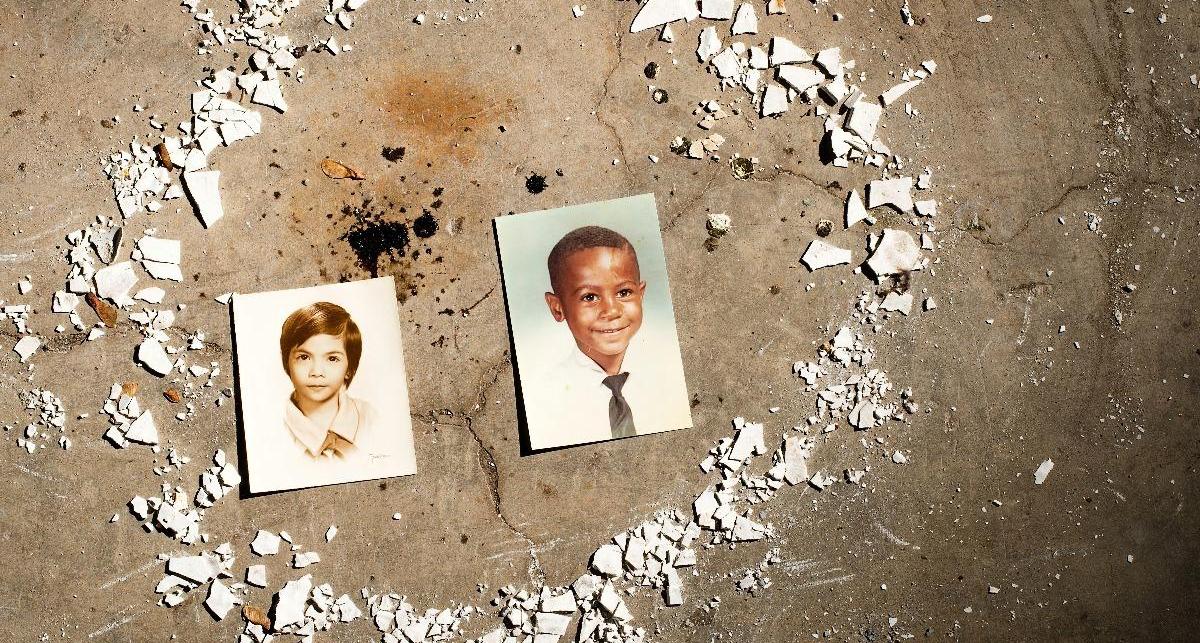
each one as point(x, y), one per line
point(605, 387)
point(321, 346)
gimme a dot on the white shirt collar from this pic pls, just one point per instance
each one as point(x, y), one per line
point(346, 423)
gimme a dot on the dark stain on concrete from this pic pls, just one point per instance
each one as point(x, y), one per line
point(535, 183)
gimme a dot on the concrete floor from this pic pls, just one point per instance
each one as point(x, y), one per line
point(1049, 111)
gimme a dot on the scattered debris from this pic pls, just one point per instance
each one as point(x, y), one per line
point(820, 254)
point(1043, 471)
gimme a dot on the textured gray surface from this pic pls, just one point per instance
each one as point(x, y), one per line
point(1045, 113)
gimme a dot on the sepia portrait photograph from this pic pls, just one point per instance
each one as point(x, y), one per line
point(322, 386)
point(593, 326)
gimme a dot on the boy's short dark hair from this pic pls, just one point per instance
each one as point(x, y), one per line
point(592, 236)
point(321, 318)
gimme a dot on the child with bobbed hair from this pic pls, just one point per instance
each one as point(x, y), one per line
point(321, 346)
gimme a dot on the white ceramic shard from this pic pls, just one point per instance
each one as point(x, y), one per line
point(1043, 470)
point(265, 543)
point(774, 100)
point(820, 254)
point(709, 45)
point(203, 188)
point(26, 347)
point(799, 78)
point(115, 281)
point(894, 192)
point(219, 600)
point(142, 430)
point(288, 607)
point(660, 12)
point(896, 252)
point(152, 355)
point(784, 51)
point(856, 211)
point(863, 119)
point(894, 94)
point(897, 302)
point(746, 21)
point(716, 9)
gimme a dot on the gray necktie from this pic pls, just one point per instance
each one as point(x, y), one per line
point(620, 416)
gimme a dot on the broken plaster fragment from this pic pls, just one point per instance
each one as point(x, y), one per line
point(655, 13)
point(863, 119)
point(202, 188)
point(856, 211)
point(220, 600)
point(256, 575)
point(287, 609)
point(745, 22)
point(710, 44)
point(1043, 470)
point(304, 559)
point(26, 347)
point(152, 355)
point(895, 252)
point(897, 302)
point(774, 100)
point(716, 9)
point(267, 92)
point(606, 561)
point(115, 281)
point(142, 430)
point(820, 254)
point(265, 543)
point(784, 51)
point(799, 78)
point(894, 94)
point(894, 192)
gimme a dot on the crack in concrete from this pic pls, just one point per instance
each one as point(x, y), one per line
point(491, 471)
point(1058, 203)
point(604, 95)
point(800, 175)
point(691, 202)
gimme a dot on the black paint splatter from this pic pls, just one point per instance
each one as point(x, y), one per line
point(371, 241)
point(536, 183)
point(393, 154)
point(373, 237)
point(425, 226)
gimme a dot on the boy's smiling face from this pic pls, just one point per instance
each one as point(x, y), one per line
point(318, 368)
point(598, 292)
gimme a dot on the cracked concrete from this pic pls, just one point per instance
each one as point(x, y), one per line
point(1049, 111)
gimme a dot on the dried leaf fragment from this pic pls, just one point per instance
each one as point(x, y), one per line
point(336, 170)
point(172, 394)
point(104, 310)
point(256, 615)
point(129, 388)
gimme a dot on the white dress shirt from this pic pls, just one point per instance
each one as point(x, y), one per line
point(568, 403)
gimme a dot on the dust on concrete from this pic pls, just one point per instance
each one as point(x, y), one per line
point(440, 116)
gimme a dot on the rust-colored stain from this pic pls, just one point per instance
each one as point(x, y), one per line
point(438, 116)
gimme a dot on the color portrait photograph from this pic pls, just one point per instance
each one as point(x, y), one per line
point(322, 386)
point(593, 326)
